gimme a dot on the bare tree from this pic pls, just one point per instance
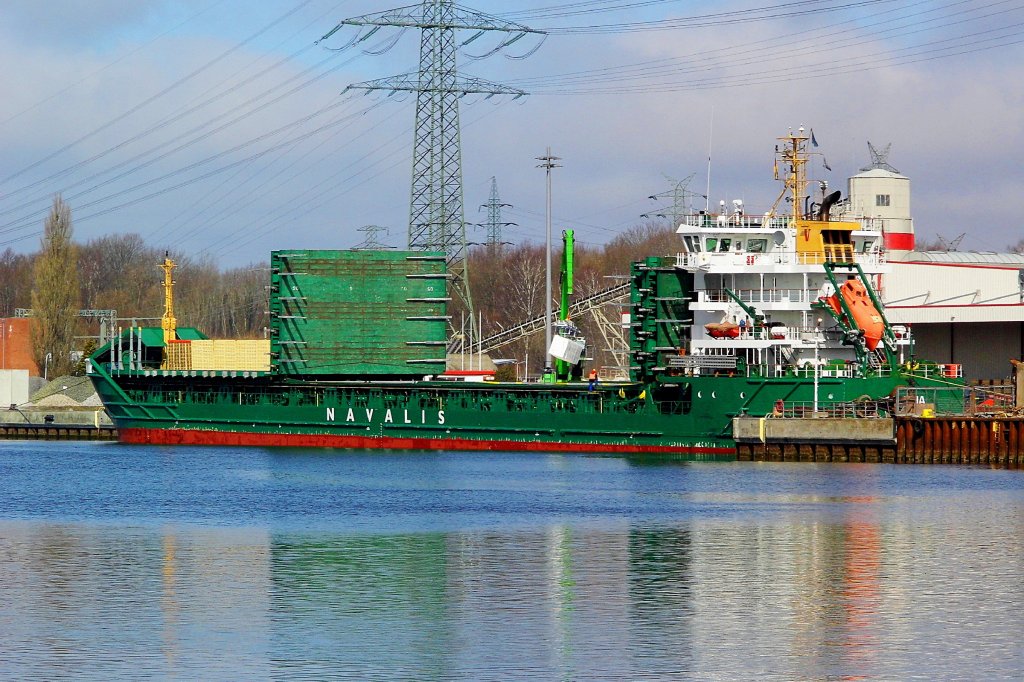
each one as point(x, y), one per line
point(55, 292)
point(636, 243)
point(117, 271)
point(15, 282)
point(523, 282)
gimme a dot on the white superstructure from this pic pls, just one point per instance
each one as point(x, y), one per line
point(761, 282)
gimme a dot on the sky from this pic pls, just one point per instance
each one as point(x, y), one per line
point(224, 129)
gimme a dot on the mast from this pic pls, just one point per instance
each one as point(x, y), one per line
point(169, 323)
point(792, 153)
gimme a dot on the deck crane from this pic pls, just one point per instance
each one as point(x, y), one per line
point(568, 346)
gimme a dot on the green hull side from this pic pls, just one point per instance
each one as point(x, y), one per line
point(687, 415)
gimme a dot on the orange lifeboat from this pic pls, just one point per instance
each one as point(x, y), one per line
point(722, 330)
point(833, 303)
point(865, 314)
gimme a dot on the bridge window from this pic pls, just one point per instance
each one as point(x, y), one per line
point(881, 200)
point(757, 245)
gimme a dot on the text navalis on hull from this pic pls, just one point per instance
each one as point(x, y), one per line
point(753, 311)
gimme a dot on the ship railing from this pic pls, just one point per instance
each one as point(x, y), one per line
point(756, 296)
point(934, 371)
point(741, 258)
point(846, 371)
point(850, 368)
point(955, 401)
point(827, 338)
point(749, 332)
point(800, 409)
point(707, 220)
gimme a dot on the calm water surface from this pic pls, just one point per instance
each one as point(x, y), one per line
point(218, 563)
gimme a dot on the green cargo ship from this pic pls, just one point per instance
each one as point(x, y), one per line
point(366, 389)
point(355, 358)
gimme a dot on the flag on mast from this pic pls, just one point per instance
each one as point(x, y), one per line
point(814, 142)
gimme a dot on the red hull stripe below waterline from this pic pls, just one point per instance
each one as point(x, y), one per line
point(191, 437)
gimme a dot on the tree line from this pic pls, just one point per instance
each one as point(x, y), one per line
point(507, 285)
point(120, 272)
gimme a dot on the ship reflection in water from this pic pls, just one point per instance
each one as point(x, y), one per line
point(213, 564)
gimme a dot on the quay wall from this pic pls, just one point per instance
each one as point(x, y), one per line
point(40, 423)
point(986, 441)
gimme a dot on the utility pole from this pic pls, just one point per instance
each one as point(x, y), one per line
point(547, 165)
point(436, 217)
point(494, 222)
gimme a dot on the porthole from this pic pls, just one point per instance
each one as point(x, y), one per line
point(713, 396)
point(699, 394)
point(743, 395)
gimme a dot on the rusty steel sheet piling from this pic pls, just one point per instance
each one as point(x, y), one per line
point(992, 441)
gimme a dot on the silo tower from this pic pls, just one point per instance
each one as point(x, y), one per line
point(880, 193)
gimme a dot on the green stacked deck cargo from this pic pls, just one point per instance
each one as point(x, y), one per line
point(659, 315)
point(358, 313)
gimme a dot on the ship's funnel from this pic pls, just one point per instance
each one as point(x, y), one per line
point(827, 203)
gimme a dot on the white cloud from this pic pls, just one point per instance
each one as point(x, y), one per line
point(954, 124)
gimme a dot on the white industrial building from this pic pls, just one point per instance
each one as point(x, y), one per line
point(963, 307)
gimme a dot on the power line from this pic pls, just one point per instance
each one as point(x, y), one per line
point(342, 186)
point(21, 224)
point(722, 60)
point(109, 64)
point(773, 12)
point(240, 114)
point(153, 98)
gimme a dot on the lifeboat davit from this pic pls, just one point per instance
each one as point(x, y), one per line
point(866, 316)
point(722, 330)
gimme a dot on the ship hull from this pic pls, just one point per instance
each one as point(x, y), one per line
point(689, 416)
point(161, 436)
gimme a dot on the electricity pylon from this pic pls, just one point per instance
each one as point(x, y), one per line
point(494, 222)
point(879, 158)
point(681, 201)
point(371, 242)
point(436, 216)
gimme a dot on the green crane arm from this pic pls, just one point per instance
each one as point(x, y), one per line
point(566, 275)
point(846, 319)
point(757, 317)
